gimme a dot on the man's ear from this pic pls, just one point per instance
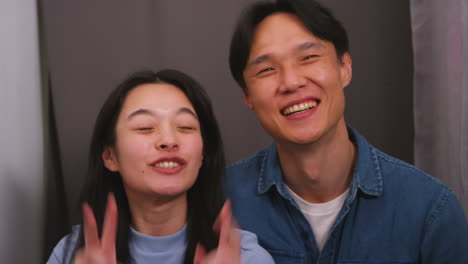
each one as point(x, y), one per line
point(346, 69)
point(110, 159)
point(248, 101)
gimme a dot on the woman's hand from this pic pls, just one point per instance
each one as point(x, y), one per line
point(97, 250)
point(228, 250)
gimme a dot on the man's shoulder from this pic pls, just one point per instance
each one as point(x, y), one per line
point(410, 187)
point(243, 176)
point(404, 172)
point(391, 172)
point(252, 164)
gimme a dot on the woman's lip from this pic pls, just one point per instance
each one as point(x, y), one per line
point(168, 171)
point(178, 160)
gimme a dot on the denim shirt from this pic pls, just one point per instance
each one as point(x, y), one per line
point(393, 213)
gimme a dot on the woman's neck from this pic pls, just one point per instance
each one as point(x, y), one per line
point(158, 216)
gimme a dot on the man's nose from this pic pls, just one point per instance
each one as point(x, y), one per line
point(291, 79)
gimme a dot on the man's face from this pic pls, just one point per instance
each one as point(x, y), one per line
point(295, 81)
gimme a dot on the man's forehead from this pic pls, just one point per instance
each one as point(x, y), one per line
point(283, 29)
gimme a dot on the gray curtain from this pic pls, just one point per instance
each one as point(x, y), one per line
point(440, 42)
point(22, 134)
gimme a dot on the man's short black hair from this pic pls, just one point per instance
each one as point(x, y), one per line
point(316, 18)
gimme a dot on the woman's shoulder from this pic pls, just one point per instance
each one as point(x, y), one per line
point(251, 251)
point(64, 249)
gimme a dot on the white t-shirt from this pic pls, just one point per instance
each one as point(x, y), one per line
point(320, 216)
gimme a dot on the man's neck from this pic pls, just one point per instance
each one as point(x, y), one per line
point(321, 171)
point(158, 216)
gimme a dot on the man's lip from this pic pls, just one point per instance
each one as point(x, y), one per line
point(298, 101)
point(178, 160)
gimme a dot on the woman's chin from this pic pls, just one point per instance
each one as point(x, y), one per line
point(170, 191)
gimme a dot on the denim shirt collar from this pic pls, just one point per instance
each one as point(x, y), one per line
point(366, 176)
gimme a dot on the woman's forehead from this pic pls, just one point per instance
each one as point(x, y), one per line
point(156, 97)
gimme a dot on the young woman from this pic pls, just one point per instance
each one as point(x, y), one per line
point(153, 192)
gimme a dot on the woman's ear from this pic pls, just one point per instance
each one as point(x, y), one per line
point(110, 159)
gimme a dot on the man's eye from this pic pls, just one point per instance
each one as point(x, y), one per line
point(265, 70)
point(310, 57)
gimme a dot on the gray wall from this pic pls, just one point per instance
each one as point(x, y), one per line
point(92, 45)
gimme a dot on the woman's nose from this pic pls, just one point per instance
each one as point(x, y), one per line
point(167, 146)
point(167, 140)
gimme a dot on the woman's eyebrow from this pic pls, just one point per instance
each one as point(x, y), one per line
point(148, 112)
point(188, 111)
point(140, 112)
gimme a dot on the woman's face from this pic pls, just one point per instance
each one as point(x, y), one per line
point(159, 147)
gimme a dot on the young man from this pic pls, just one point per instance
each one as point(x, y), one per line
point(320, 193)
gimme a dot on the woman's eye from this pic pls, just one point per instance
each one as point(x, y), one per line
point(144, 128)
point(186, 128)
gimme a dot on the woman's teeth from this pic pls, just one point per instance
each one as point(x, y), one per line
point(298, 108)
point(167, 164)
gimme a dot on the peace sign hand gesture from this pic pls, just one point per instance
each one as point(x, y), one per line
point(228, 251)
point(99, 251)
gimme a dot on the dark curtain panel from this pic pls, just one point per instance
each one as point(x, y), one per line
point(56, 222)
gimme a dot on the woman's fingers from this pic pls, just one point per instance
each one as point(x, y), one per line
point(90, 228)
point(200, 254)
point(228, 235)
point(228, 250)
point(110, 226)
point(99, 251)
point(79, 257)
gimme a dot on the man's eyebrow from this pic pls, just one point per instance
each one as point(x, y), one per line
point(140, 112)
point(188, 111)
point(309, 45)
point(260, 59)
point(300, 47)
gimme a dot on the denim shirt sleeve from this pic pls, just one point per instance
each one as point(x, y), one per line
point(251, 251)
point(446, 232)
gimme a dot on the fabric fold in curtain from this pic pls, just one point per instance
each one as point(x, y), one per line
point(56, 222)
point(440, 43)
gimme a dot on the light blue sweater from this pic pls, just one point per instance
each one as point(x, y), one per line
point(168, 249)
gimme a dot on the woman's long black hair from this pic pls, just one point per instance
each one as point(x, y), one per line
point(204, 198)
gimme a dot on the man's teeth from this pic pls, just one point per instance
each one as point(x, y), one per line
point(299, 108)
point(167, 164)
